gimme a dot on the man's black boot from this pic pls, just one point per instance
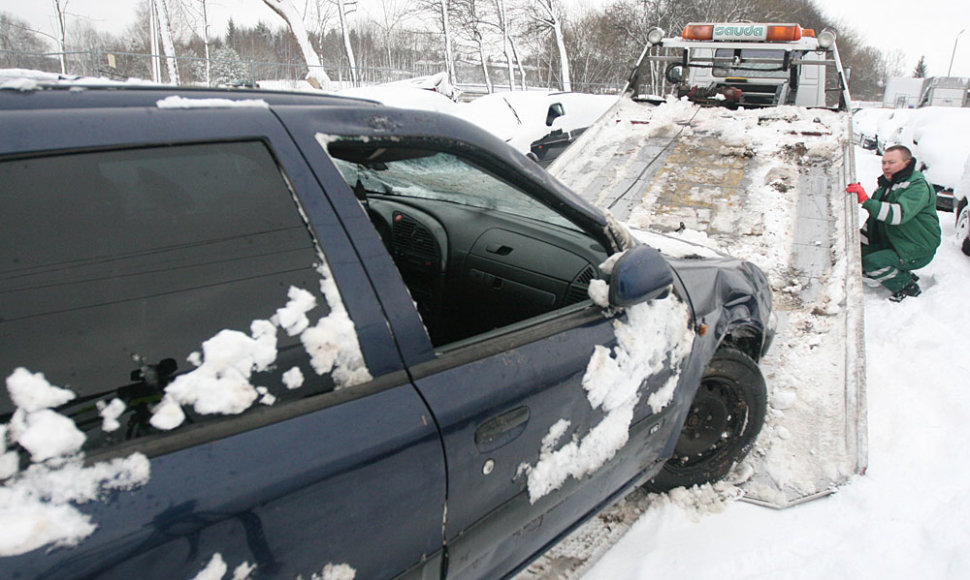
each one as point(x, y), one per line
point(911, 289)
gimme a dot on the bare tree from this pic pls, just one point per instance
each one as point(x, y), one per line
point(60, 7)
point(392, 15)
point(548, 15)
point(442, 11)
point(342, 10)
point(168, 41)
point(315, 73)
point(504, 26)
point(473, 19)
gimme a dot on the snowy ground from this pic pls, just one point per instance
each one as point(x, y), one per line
point(906, 518)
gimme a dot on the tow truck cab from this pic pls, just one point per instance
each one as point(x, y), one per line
point(752, 65)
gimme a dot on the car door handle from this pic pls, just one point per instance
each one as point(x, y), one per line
point(500, 430)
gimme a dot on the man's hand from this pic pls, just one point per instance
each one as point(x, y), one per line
point(857, 189)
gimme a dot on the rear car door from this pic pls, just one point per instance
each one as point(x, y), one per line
point(144, 248)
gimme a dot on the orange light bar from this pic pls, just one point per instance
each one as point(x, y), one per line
point(746, 31)
point(788, 32)
point(698, 32)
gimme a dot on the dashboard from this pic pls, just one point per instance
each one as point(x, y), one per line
point(471, 270)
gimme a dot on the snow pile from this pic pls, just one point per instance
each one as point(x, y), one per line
point(332, 344)
point(216, 570)
point(36, 504)
point(177, 102)
point(655, 336)
point(221, 382)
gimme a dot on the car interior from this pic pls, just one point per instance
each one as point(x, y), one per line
point(475, 252)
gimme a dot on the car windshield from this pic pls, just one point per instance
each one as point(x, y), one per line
point(446, 177)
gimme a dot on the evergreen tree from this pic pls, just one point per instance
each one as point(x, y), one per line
point(227, 67)
point(920, 71)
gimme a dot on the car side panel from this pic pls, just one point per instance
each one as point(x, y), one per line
point(289, 497)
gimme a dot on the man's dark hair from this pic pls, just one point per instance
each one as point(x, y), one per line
point(907, 154)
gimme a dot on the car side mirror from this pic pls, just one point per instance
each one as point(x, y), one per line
point(674, 74)
point(641, 274)
point(556, 110)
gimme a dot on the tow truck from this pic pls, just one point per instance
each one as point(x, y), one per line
point(753, 65)
point(749, 152)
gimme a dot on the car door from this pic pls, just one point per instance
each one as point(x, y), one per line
point(129, 257)
point(511, 402)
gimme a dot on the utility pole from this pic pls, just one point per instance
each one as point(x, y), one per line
point(954, 53)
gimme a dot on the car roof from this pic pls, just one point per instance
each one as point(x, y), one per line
point(81, 94)
point(367, 121)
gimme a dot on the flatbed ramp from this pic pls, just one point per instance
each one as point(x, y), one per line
point(766, 185)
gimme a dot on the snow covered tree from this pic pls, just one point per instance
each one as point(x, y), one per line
point(315, 73)
point(227, 67)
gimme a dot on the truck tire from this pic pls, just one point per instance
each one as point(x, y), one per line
point(724, 420)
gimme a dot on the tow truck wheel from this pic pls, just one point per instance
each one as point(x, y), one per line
point(724, 420)
point(963, 227)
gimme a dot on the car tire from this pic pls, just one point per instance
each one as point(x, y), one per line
point(963, 227)
point(724, 420)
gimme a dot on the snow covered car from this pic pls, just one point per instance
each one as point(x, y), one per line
point(961, 209)
point(889, 127)
point(935, 135)
point(313, 336)
point(539, 122)
point(864, 125)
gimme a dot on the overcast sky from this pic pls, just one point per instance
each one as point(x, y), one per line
point(928, 28)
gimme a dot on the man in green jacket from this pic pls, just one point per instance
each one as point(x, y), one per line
point(903, 229)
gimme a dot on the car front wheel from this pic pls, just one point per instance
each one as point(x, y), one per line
point(963, 227)
point(724, 420)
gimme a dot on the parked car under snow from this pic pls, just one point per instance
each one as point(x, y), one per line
point(937, 138)
point(297, 335)
point(961, 208)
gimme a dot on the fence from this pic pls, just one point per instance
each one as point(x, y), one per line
point(197, 71)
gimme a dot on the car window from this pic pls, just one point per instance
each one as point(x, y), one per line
point(477, 252)
point(128, 271)
point(445, 177)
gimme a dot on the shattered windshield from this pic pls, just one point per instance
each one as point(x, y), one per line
point(445, 177)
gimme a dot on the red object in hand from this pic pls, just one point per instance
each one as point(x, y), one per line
point(857, 189)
